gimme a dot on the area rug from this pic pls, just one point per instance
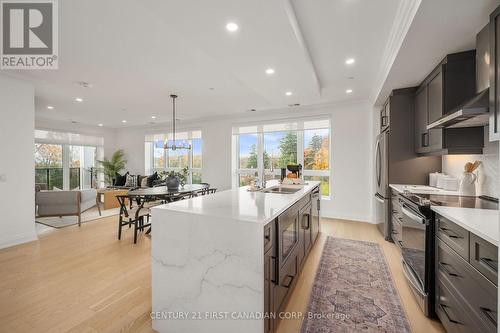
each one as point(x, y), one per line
point(353, 291)
point(87, 216)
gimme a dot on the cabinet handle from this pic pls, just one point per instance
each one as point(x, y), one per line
point(443, 230)
point(308, 225)
point(442, 265)
point(394, 211)
point(274, 270)
point(425, 139)
point(289, 282)
point(490, 314)
point(443, 307)
point(383, 121)
point(492, 264)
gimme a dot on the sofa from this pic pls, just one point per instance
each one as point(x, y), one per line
point(66, 203)
point(119, 182)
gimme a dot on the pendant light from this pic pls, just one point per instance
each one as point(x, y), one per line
point(174, 145)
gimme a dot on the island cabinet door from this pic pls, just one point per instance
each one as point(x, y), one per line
point(269, 281)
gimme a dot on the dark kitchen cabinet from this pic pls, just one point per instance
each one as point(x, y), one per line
point(495, 75)
point(385, 116)
point(269, 279)
point(450, 84)
point(465, 279)
point(421, 134)
point(287, 243)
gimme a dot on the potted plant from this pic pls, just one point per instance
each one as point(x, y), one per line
point(110, 167)
point(174, 178)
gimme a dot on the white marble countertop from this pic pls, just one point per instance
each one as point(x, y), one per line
point(240, 204)
point(422, 189)
point(481, 222)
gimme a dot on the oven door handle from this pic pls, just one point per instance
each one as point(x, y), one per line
point(413, 283)
point(414, 217)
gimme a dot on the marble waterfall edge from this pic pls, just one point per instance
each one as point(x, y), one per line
point(207, 272)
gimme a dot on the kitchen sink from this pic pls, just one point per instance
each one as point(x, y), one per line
point(282, 190)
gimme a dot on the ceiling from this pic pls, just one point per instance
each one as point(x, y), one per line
point(438, 28)
point(135, 53)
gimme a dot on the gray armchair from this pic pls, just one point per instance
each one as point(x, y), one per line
point(66, 203)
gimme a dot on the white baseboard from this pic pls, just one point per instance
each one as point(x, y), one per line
point(17, 239)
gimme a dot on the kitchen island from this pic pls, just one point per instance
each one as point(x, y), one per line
point(214, 257)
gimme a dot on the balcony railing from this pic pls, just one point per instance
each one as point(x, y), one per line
point(54, 177)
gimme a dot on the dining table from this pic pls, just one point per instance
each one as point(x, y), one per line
point(163, 192)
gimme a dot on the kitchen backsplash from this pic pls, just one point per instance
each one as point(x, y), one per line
point(487, 172)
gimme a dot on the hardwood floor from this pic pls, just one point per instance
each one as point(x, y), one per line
point(85, 280)
point(358, 231)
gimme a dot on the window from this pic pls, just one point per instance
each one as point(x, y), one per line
point(67, 160)
point(277, 145)
point(159, 159)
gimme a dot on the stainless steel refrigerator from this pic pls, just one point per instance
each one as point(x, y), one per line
point(395, 159)
point(382, 193)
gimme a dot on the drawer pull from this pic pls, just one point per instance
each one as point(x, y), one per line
point(492, 264)
point(442, 265)
point(490, 314)
point(394, 232)
point(400, 219)
point(274, 270)
point(400, 243)
point(394, 211)
point(448, 234)
point(443, 307)
point(289, 282)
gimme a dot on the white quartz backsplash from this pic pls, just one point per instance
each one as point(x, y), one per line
point(487, 173)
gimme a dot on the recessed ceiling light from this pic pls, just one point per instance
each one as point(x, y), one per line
point(288, 93)
point(78, 99)
point(124, 121)
point(231, 27)
point(270, 71)
point(349, 61)
point(153, 117)
point(50, 107)
point(100, 125)
point(348, 91)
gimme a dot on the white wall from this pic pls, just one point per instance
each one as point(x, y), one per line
point(352, 142)
point(17, 171)
point(487, 173)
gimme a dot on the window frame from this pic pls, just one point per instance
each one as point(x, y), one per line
point(152, 168)
point(299, 130)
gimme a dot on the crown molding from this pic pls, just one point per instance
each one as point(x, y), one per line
point(401, 24)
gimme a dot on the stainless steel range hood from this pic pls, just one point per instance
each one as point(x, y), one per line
point(474, 112)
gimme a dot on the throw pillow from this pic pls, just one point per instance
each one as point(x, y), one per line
point(144, 182)
point(131, 181)
point(120, 180)
point(151, 179)
point(54, 188)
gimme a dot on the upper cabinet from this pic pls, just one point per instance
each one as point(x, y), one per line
point(494, 58)
point(385, 117)
point(451, 83)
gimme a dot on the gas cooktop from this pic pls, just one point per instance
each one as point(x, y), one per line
point(481, 202)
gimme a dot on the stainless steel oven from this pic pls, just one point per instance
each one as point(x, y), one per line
point(416, 249)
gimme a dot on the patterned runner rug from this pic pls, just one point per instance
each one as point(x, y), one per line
point(353, 291)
